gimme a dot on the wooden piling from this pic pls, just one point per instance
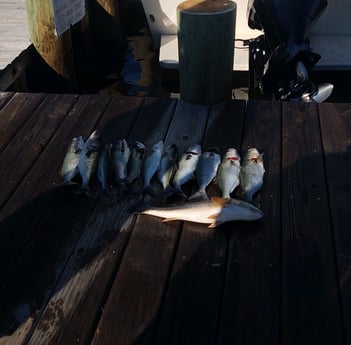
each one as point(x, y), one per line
point(206, 32)
point(76, 53)
point(55, 50)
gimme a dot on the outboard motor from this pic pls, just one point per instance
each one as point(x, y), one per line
point(281, 58)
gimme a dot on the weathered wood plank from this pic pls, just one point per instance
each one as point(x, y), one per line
point(17, 66)
point(51, 223)
point(5, 97)
point(16, 113)
point(250, 307)
point(25, 208)
point(192, 304)
point(84, 285)
point(30, 141)
point(336, 128)
point(310, 305)
point(141, 281)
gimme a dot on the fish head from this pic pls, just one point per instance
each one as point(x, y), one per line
point(194, 150)
point(121, 145)
point(158, 146)
point(139, 146)
point(233, 156)
point(93, 135)
point(78, 144)
point(92, 144)
point(252, 152)
point(214, 150)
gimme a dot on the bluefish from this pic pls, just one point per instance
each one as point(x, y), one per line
point(151, 165)
point(205, 172)
point(186, 168)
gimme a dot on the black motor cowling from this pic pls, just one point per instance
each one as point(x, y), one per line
point(281, 58)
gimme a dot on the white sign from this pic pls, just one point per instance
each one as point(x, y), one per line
point(67, 13)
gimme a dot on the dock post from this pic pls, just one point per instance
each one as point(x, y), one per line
point(56, 51)
point(206, 32)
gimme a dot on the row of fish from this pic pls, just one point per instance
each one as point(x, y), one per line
point(126, 163)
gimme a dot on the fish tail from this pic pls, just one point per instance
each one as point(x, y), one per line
point(248, 197)
point(67, 183)
point(149, 191)
point(168, 192)
point(201, 194)
point(178, 191)
point(138, 208)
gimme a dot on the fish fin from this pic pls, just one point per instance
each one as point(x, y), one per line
point(219, 201)
point(169, 220)
point(215, 224)
point(239, 191)
point(138, 207)
point(175, 191)
point(149, 191)
point(67, 183)
point(168, 192)
point(201, 194)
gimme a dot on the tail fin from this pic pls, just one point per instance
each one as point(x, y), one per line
point(200, 194)
point(149, 191)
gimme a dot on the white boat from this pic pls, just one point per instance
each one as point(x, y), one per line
point(330, 37)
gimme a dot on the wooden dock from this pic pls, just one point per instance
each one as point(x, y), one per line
point(14, 33)
point(77, 270)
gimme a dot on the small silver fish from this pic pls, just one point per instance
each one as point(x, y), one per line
point(228, 172)
point(120, 153)
point(135, 161)
point(88, 159)
point(168, 167)
point(69, 167)
point(251, 173)
point(151, 165)
point(104, 166)
point(186, 167)
point(205, 172)
point(213, 212)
